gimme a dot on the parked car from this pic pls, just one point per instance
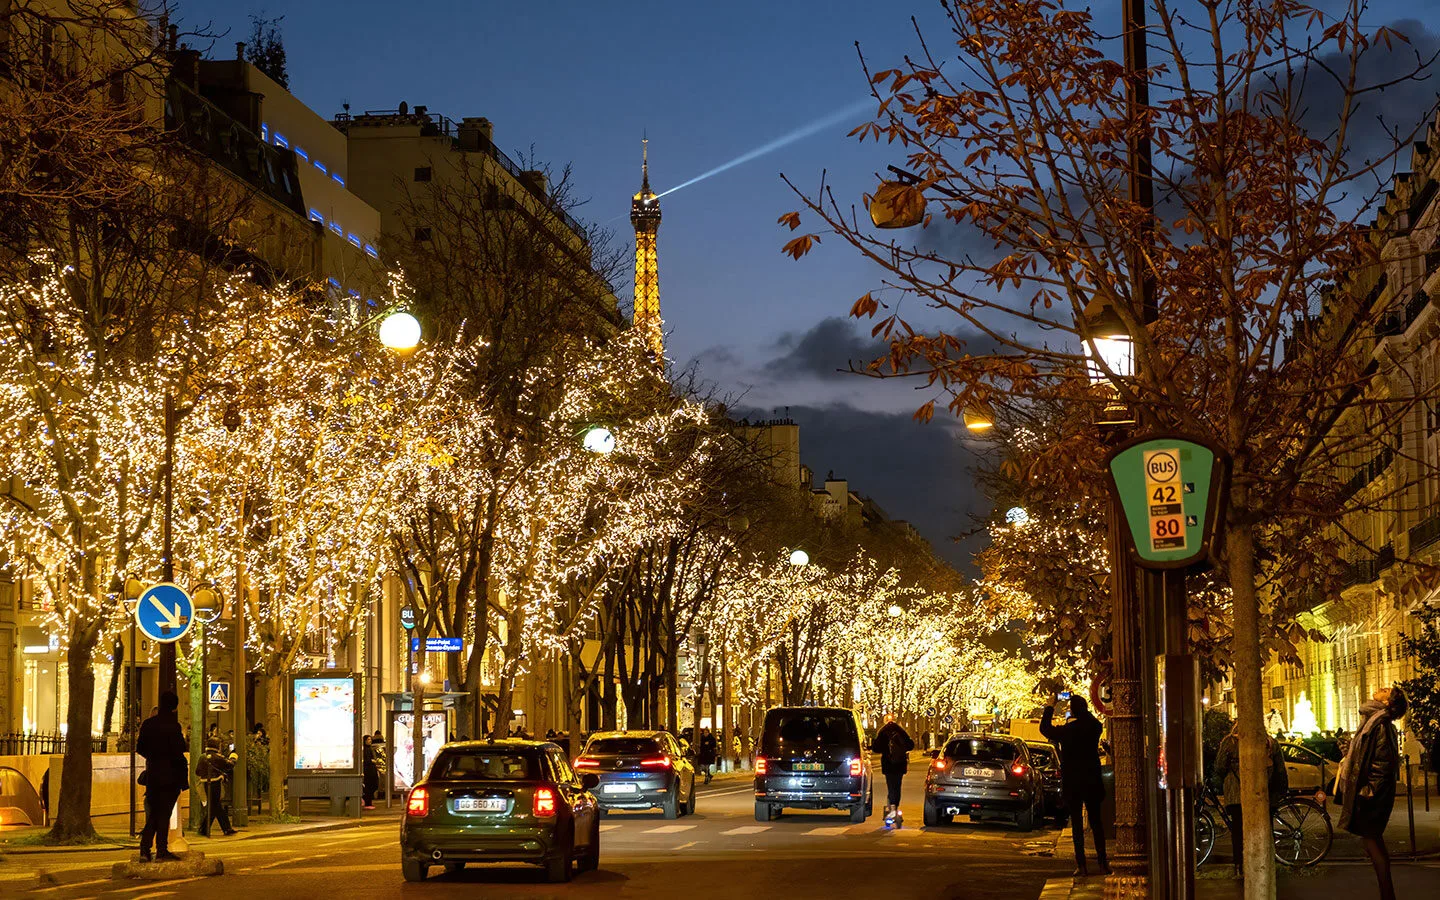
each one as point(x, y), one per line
point(984, 776)
point(1046, 761)
point(500, 801)
point(640, 770)
point(812, 758)
point(1308, 771)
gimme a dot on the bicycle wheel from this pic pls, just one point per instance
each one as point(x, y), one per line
point(1302, 832)
point(1204, 836)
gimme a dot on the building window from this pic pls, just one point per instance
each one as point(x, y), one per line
point(422, 173)
point(422, 233)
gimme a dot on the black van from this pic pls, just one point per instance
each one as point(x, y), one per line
point(812, 758)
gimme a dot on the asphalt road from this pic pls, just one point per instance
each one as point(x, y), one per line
point(721, 851)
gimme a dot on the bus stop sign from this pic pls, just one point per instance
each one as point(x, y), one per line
point(1172, 491)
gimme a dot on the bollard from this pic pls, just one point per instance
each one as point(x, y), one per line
point(1410, 806)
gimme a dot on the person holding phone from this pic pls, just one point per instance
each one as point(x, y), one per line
point(1078, 741)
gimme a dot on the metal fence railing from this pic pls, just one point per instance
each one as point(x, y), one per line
point(41, 743)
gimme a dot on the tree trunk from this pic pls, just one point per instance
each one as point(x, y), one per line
point(279, 743)
point(117, 665)
point(194, 685)
point(1259, 862)
point(727, 750)
point(607, 690)
point(72, 811)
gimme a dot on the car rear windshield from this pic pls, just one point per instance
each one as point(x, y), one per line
point(981, 749)
point(1041, 756)
point(620, 746)
point(479, 765)
point(799, 729)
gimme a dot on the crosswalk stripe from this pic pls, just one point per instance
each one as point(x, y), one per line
point(669, 829)
point(747, 829)
point(604, 828)
point(830, 830)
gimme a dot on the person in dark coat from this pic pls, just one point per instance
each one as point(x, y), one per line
point(1227, 769)
point(707, 753)
point(1078, 741)
point(162, 743)
point(370, 772)
point(894, 746)
point(1366, 783)
point(214, 770)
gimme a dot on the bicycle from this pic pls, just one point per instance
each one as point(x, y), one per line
point(1300, 828)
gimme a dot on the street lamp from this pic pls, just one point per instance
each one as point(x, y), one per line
point(1017, 516)
point(799, 558)
point(895, 611)
point(599, 439)
point(978, 417)
point(400, 332)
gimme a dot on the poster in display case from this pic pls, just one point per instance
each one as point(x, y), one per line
point(324, 724)
point(436, 724)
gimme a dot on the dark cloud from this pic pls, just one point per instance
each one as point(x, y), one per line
point(919, 473)
point(1380, 115)
point(827, 350)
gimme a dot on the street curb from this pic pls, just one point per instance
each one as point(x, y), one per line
point(111, 846)
point(1056, 889)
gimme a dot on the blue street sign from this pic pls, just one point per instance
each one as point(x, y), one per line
point(164, 613)
point(219, 695)
point(438, 645)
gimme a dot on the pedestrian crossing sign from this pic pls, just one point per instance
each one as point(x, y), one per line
point(219, 696)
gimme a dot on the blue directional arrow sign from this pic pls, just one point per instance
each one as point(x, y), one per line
point(164, 613)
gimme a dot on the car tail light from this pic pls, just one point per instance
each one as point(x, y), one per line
point(939, 764)
point(855, 767)
point(656, 762)
point(586, 762)
point(419, 803)
point(762, 765)
point(1019, 769)
point(544, 802)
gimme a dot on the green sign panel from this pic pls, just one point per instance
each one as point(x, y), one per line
point(1172, 492)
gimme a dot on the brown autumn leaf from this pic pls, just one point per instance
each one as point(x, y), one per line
point(801, 245)
point(791, 218)
point(865, 306)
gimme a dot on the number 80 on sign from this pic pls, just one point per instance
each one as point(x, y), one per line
point(1164, 501)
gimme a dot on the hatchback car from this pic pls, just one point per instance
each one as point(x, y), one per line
point(1307, 770)
point(811, 758)
point(1047, 764)
point(500, 801)
point(640, 770)
point(983, 776)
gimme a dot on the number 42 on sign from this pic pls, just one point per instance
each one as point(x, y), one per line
point(1165, 504)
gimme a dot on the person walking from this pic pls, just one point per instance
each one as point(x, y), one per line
point(213, 771)
point(894, 746)
point(1078, 741)
point(166, 774)
point(1227, 769)
point(370, 772)
point(1365, 786)
point(706, 753)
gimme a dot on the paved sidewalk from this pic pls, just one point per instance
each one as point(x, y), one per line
point(17, 841)
point(1328, 881)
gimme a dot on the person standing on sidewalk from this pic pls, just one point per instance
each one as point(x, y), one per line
point(1227, 769)
point(1078, 741)
point(894, 746)
point(370, 773)
point(1365, 786)
point(166, 774)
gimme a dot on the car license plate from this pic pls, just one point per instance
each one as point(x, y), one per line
point(620, 789)
point(809, 767)
point(480, 804)
point(977, 773)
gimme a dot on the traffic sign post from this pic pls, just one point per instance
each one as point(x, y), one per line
point(1172, 490)
point(164, 613)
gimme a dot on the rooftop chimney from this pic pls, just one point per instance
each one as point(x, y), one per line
point(240, 50)
point(475, 133)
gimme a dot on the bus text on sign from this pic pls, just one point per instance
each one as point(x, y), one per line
point(1164, 499)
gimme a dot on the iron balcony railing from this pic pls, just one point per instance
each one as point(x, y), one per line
point(33, 743)
point(1425, 533)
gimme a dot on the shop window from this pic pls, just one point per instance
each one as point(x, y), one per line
point(422, 173)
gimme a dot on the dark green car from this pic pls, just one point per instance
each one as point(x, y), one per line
point(500, 801)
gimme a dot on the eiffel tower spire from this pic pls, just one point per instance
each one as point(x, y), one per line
point(645, 216)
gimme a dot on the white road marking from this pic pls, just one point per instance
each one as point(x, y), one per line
point(669, 829)
point(683, 846)
point(830, 830)
point(65, 887)
point(156, 894)
point(605, 828)
point(748, 829)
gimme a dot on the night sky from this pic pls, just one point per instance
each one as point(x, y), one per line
point(579, 81)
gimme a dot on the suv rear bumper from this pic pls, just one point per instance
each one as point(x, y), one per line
point(466, 844)
point(822, 793)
